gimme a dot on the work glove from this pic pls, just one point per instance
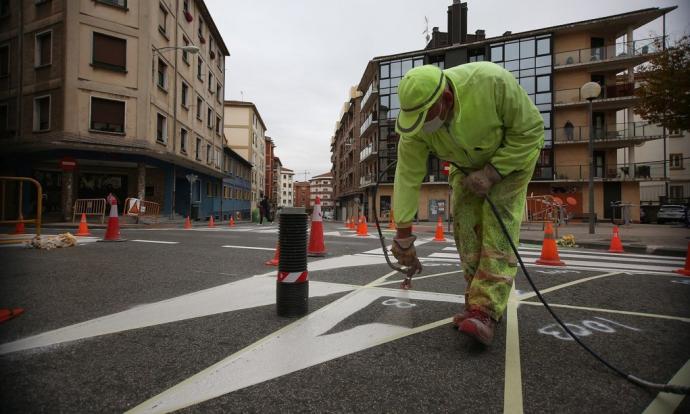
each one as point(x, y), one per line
point(403, 250)
point(481, 181)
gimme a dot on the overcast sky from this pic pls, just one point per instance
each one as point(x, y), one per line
point(296, 60)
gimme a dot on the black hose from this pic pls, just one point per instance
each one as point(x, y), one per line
point(670, 388)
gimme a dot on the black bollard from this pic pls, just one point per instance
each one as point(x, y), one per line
point(292, 288)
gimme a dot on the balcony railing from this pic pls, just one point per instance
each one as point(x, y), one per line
point(366, 179)
point(369, 121)
point(641, 171)
point(615, 132)
point(574, 95)
point(366, 152)
point(618, 51)
point(371, 91)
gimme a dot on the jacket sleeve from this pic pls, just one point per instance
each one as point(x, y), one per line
point(410, 171)
point(523, 126)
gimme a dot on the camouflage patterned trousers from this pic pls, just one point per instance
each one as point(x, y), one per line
point(488, 263)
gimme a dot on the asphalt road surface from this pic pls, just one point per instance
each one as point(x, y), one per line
point(186, 320)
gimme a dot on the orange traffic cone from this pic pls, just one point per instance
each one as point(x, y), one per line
point(112, 232)
point(391, 223)
point(316, 245)
point(83, 227)
point(686, 270)
point(352, 225)
point(362, 228)
point(616, 245)
point(439, 231)
point(231, 223)
point(549, 250)
point(276, 257)
point(7, 314)
point(187, 223)
point(211, 223)
point(19, 228)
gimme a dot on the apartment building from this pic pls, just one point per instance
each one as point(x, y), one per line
point(322, 186)
point(677, 151)
point(237, 186)
point(104, 86)
point(301, 192)
point(345, 156)
point(285, 188)
point(551, 64)
point(246, 133)
point(269, 176)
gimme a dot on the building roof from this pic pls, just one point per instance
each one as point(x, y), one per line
point(286, 170)
point(324, 175)
point(212, 25)
point(634, 18)
point(245, 104)
point(234, 154)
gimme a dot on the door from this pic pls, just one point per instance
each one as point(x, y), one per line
point(599, 164)
point(598, 124)
point(597, 45)
point(612, 193)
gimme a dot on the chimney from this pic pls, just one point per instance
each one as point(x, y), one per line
point(457, 22)
point(479, 34)
point(508, 33)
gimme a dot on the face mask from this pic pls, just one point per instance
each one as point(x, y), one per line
point(433, 125)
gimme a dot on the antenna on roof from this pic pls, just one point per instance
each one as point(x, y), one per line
point(426, 29)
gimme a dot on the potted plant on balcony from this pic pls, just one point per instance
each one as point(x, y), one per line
point(212, 54)
point(188, 16)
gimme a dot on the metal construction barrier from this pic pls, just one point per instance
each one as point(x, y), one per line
point(140, 208)
point(90, 207)
point(18, 182)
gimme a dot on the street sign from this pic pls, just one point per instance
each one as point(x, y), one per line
point(68, 164)
point(445, 167)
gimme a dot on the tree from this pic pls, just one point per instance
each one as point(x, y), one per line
point(665, 92)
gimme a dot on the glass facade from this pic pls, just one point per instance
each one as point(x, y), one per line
point(530, 61)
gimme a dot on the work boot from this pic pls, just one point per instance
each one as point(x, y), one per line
point(478, 325)
point(459, 317)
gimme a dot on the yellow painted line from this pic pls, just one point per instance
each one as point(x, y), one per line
point(420, 277)
point(512, 388)
point(413, 331)
point(648, 315)
point(666, 402)
point(565, 285)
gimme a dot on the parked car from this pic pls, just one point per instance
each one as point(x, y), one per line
point(328, 215)
point(671, 212)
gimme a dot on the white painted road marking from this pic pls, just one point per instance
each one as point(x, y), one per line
point(156, 241)
point(249, 247)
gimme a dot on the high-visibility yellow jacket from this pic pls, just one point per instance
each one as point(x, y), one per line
point(493, 121)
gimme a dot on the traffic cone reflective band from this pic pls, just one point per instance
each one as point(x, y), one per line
point(276, 257)
point(232, 221)
point(293, 277)
point(316, 244)
point(83, 227)
point(112, 232)
point(391, 223)
point(7, 314)
point(616, 245)
point(362, 228)
point(439, 231)
point(211, 223)
point(686, 270)
point(187, 223)
point(549, 250)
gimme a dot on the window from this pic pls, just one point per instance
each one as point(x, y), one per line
point(220, 60)
point(183, 140)
point(185, 95)
point(201, 29)
point(162, 79)
point(162, 19)
point(675, 161)
point(675, 191)
point(115, 3)
point(544, 46)
point(217, 158)
point(185, 54)
point(209, 154)
point(109, 52)
point(219, 122)
point(107, 115)
point(44, 45)
point(199, 104)
point(4, 61)
point(211, 52)
point(161, 128)
point(209, 118)
point(197, 149)
point(219, 93)
point(42, 113)
point(210, 81)
point(185, 6)
point(199, 62)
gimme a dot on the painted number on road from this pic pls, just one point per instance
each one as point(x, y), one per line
point(398, 303)
point(585, 328)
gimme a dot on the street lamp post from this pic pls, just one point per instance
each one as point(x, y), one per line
point(193, 50)
point(591, 91)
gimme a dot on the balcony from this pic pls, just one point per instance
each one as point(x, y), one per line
point(368, 122)
point(612, 57)
point(618, 96)
point(642, 171)
point(367, 152)
point(367, 180)
point(610, 136)
point(372, 91)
